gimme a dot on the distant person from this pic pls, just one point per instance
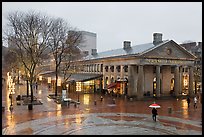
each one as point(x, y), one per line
point(195, 102)
point(188, 101)
point(154, 114)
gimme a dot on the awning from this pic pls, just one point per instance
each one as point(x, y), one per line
point(84, 77)
point(112, 85)
point(77, 77)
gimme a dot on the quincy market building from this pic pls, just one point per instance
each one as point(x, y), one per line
point(160, 68)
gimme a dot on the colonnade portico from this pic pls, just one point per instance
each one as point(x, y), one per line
point(136, 78)
point(136, 81)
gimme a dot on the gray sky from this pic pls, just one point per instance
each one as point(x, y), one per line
point(114, 22)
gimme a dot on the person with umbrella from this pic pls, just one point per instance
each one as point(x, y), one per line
point(154, 114)
point(154, 111)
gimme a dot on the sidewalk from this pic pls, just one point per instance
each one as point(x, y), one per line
point(181, 118)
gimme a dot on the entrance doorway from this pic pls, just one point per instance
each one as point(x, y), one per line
point(172, 86)
point(155, 86)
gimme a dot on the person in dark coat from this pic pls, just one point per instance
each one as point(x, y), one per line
point(154, 114)
point(188, 101)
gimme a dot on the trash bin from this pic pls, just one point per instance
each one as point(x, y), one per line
point(30, 106)
point(169, 110)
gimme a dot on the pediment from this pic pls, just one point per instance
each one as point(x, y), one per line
point(169, 50)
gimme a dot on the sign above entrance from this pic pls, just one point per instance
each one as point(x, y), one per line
point(166, 62)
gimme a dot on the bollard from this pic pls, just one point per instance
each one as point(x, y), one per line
point(169, 110)
point(101, 98)
point(94, 102)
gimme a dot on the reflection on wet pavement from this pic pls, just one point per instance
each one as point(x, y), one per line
point(104, 117)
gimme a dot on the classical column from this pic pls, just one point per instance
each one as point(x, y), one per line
point(122, 77)
point(140, 85)
point(158, 89)
point(191, 79)
point(130, 80)
point(176, 81)
point(181, 80)
point(100, 85)
point(115, 73)
point(88, 68)
point(104, 76)
point(99, 68)
point(109, 74)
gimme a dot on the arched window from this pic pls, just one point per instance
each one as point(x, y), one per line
point(112, 68)
point(112, 80)
point(126, 68)
point(118, 68)
point(106, 68)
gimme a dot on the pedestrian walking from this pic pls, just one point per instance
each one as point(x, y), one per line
point(188, 101)
point(154, 114)
point(195, 102)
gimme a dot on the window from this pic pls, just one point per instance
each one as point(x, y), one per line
point(106, 68)
point(126, 68)
point(118, 68)
point(112, 80)
point(112, 68)
point(98, 67)
point(101, 67)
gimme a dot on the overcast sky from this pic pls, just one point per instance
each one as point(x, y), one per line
point(114, 22)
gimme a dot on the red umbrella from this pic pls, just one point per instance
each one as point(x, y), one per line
point(154, 106)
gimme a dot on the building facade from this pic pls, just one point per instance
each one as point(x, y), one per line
point(160, 68)
point(89, 42)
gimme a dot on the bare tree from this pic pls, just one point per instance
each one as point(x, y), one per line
point(71, 54)
point(28, 33)
point(56, 43)
point(63, 42)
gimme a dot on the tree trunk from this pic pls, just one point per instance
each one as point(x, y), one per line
point(56, 82)
point(31, 89)
point(27, 88)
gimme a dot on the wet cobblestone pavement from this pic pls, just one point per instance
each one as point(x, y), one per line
point(124, 117)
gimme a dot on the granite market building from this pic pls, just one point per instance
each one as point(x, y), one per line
point(159, 68)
